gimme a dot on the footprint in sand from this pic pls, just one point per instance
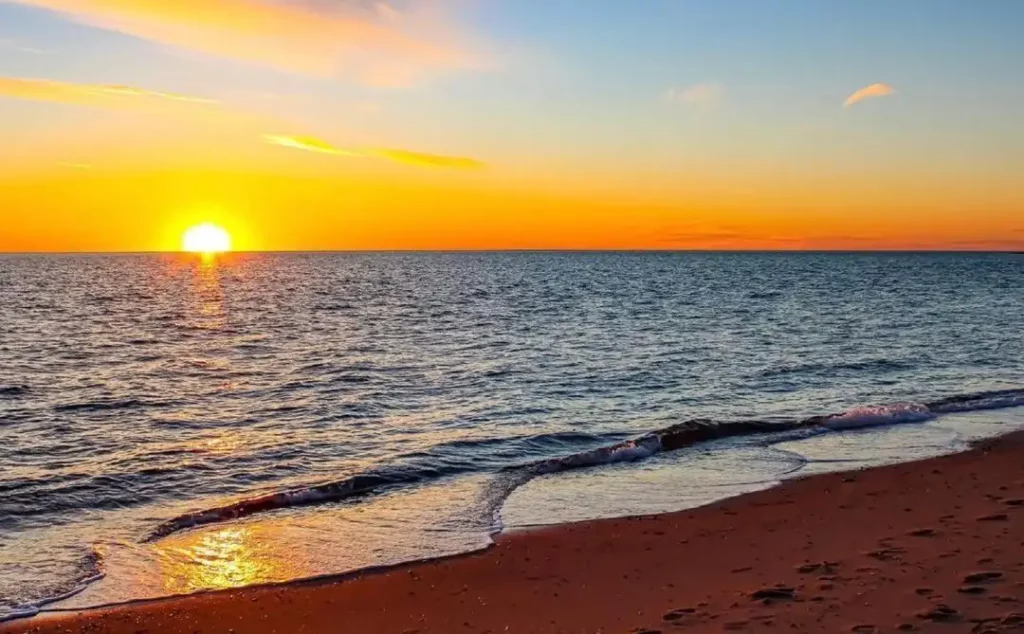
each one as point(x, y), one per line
point(823, 567)
point(886, 554)
point(982, 577)
point(776, 593)
point(995, 517)
point(941, 613)
point(676, 615)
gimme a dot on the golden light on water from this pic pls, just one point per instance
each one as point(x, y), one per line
point(206, 238)
point(224, 558)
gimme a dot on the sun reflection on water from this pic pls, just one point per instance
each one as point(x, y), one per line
point(208, 295)
point(226, 558)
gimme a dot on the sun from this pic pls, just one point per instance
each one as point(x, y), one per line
point(206, 238)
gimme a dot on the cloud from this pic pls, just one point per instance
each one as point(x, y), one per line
point(309, 37)
point(701, 236)
point(118, 96)
point(311, 144)
point(868, 92)
point(387, 11)
point(307, 143)
point(15, 45)
point(426, 160)
point(100, 95)
point(981, 244)
point(701, 95)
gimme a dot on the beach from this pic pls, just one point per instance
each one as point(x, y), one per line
point(934, 545)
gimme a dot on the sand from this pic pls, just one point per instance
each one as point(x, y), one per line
point(936, 545)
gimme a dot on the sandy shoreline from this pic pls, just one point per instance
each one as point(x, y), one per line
point(936, 545)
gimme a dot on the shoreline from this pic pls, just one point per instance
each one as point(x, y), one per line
point(868, 536)
point(134, 587)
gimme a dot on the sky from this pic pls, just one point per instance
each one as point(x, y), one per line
point(512, 124)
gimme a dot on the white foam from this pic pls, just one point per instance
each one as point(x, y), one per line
point(874, 416)
point(624, 452)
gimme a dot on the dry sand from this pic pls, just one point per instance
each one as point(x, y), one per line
point(933, 546)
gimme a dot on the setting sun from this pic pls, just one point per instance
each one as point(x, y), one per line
point(206, 238)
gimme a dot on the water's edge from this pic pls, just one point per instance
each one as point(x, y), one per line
point(679, 436)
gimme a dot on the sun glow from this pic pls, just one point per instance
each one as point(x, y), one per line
point(206, 238)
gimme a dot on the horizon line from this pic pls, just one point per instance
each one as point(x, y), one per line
point(513, 250)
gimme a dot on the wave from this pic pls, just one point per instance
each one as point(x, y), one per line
point(447, 459)
point(830, 369)
point(91, 572)
point(443, 460)
point(679, 436)
point(357, 485)
point(874, 416)
point(996, 399)
point(103, 405)
point(12, 390)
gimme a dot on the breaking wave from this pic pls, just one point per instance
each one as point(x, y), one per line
point(447, 460)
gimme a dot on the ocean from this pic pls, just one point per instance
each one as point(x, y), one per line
point(172, 424)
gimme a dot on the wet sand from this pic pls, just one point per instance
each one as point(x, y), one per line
point(936, 545)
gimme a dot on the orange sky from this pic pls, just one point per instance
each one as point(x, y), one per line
point(485, 125)
point(89, 210)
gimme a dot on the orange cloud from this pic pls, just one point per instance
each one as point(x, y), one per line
point(287, 36)
point(868, 92)
point(427, 160)
point(87, 94)
point(311, 144)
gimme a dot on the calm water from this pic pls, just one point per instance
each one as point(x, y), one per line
point(173, 425)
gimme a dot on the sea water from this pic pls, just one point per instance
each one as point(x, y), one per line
point(171, 424)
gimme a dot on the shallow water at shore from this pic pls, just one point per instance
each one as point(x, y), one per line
point(709, 473)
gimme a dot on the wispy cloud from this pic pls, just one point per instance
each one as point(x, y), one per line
point(101, 95)
point(307, 143)
point(308, 37)
point(868, 92)
point(1006, 244)
point(311, 144)
point(14, 45)
point(699, 95)
point(426, 160)
point(131, 97)
point(704, 236)
point(698, 236)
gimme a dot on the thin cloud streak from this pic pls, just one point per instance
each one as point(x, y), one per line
point(15, 45)
point(289, 37)
point(99, 95)
point(307, 143)
point(113, 96)
point(869, 92)
point(311, 144)
point(426, 160)
point(701, 95)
